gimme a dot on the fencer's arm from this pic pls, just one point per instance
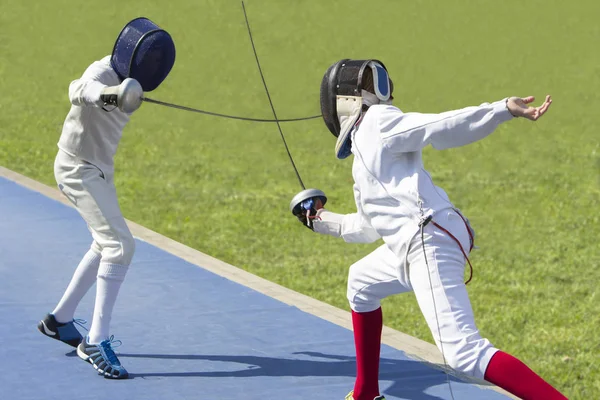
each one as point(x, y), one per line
point(414, 131)
point(86, 92)
point(350, 227)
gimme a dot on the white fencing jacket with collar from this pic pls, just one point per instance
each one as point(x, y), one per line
point(392, 189)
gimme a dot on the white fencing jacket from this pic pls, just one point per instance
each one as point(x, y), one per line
point(90, 133)
point(392, 189)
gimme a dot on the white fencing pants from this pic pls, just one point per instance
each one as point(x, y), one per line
point(438, 286)
point(94, 196)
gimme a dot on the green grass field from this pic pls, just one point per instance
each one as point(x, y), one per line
point(223, 187)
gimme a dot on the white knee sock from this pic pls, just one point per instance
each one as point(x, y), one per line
point(83, 279)
point(110, 277)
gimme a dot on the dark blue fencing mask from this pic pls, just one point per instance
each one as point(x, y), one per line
point(145, 52)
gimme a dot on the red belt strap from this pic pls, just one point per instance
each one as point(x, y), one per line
point(460, 245)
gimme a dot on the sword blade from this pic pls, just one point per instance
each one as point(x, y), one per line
point(196, 110)
point(269, 97)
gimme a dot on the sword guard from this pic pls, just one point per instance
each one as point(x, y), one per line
point(130, 95)
point(305, 200)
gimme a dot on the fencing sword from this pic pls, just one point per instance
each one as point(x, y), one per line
point(185, 108)
point(129, 95)
point(304, 201)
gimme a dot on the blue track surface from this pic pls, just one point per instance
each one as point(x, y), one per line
point(187, 333)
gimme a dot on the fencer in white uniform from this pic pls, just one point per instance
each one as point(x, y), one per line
point(426, 238)
point(102, 101)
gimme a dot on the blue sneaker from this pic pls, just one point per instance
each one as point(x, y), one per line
point(66, 333)
point(103, 358)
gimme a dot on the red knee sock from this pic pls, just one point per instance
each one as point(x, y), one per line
point(367, 339)
point(515, 377)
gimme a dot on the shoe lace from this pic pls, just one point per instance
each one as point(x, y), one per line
point(107, 346)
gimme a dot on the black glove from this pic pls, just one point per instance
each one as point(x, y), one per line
point(110, 96)
point(307, 213)
point(127, 96)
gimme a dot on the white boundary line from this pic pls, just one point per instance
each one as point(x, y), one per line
point(413, 347)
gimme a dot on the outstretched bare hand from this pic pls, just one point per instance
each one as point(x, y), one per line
point(519, 107)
